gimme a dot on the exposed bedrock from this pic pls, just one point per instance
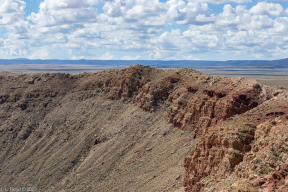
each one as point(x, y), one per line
point(192, 105)
point(249, 157)
point(198, 113)
point(215, 155)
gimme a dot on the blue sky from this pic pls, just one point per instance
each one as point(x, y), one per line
point(144, 29)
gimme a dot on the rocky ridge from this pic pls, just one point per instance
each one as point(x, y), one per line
point(42, 112)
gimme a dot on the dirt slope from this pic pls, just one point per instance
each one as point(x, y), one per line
point(130, 129)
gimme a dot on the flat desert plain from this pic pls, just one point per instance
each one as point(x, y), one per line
point(273, 77)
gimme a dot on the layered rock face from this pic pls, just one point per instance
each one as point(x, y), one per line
point(151, 95)
point(195, 101)
point(268, 155)
point(215, 156)
point(241, 154)
point(189, 112)
point(134, 85)
point(277, 181)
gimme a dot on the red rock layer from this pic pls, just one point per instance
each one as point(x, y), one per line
point(198, 113)
point(256, 156)
point(216, 155)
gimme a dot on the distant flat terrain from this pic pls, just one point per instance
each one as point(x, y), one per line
point(274, 77)
point(55, 68)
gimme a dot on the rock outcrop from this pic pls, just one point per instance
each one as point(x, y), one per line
point(246, 155)
point(191, 104)
point(191, 112)
point(215, 156)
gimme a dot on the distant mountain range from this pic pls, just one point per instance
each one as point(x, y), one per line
point(283, 63)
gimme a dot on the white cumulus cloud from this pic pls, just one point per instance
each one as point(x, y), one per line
point(64, 15)
point(190, 57)
point(11, 11)
point(129, 57)
point(221, 1)
point(159, 30)
point(39, 54)
point(286, 12)
point(107, 56)
point(264, 8)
